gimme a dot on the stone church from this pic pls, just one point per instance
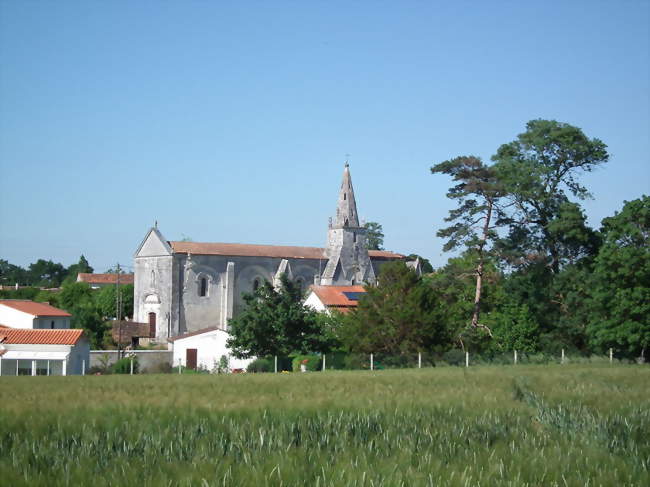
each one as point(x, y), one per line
point(184, 287)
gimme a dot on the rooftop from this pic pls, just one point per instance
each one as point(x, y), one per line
point(251, 250)
point(338, 296)
point(33, 308)
point(11, 336)
point(104, 278)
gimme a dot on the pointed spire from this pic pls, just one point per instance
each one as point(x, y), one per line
point(346, 208)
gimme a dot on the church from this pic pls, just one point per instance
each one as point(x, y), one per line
point(185, 287)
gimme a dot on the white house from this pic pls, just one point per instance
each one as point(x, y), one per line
point(203, 349)
point(22, 313)
point(333, 298)
point(43, 352)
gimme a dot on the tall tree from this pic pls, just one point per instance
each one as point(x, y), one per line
point(539, 172)
point(399, 316)
point(620, 288)
point(46, 273)
point(374, 236)
point(275, 322)
point(477, 191)
point(82, 266)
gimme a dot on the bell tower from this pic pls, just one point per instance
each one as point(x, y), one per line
point(347, 253)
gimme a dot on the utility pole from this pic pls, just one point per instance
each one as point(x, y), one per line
point(118, 309)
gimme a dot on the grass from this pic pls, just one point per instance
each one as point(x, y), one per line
point(584, 424)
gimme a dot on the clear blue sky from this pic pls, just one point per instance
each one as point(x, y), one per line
point(230, 121)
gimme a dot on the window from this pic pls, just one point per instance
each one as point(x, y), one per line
point(42, 367)
point(257, 282)
point(345, 196)
point(203, 287)
point(52, 325)
point(24, 367)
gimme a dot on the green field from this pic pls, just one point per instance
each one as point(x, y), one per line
point(489, 425)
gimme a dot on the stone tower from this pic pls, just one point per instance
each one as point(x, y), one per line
point(347, 253)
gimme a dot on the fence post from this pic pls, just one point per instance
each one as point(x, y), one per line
point(372, 364)
point(515, 357)
point(562, 357)
point(323, 362)
point(466, 359)
point(611, 355)
point(83, 367)
point(419, 360)
point(275, 361)
point(131, 365)
point(180, 367)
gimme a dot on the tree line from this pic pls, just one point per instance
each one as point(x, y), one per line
point(528, 272)
point(42, 273)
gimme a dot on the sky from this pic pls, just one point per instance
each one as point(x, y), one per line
point(231, 121)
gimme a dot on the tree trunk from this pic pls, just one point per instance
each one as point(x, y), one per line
point(479, 266)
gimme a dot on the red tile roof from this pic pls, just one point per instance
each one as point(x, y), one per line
point(39, 337)
point(250, 250)
point(104, 278)
point(332, 296)
point(34, 308)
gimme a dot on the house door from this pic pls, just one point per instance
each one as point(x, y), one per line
point(190, 358)
point(152, 325)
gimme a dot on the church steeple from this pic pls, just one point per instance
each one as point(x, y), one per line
point(346, 208)
point(348, 262)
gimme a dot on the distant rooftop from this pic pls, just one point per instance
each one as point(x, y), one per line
point(33, 308)
point(104, 278)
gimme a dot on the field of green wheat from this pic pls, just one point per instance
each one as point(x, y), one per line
point(534, 425)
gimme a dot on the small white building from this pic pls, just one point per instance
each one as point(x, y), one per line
point(22, 313)
point(203, 349)
point(333, 298)
point(43, 352)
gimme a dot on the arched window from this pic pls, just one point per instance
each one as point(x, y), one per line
point(203, 287)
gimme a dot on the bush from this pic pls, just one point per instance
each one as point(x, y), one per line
point(123, 366)
point(454, 357)
point(260, 365)
point(313, 362)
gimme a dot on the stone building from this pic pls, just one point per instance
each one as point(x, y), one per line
point(184, 287)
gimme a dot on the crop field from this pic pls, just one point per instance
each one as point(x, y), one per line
point(487, 425)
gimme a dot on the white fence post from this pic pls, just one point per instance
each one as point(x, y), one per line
point(180, 367)
point(611, 355)
point(83, 367)
point(419, 360)
point(562, 356)
point(372, 363)
point(131, 365)
point(466, 359)
point(515, 357)
point(323, 362)
point(275, 364)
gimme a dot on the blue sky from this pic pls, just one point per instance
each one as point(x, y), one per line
point(231, 121)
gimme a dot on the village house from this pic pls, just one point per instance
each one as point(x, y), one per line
point(43, 352)
point(22, 313)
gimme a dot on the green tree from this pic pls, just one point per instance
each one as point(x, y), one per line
point(539, 172)
point(83, 266)
point(477, 190)
point(514, 328)
point(45, 273)
point(620, 290)
point(374, 236)
point(275, 322)
point(11, 274)
point(78, 299)
point(400, 316)
point(106, 302)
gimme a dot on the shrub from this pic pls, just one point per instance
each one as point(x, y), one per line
point(260, 365)
point(313, 362)
point(123, 366)
point(454, 357)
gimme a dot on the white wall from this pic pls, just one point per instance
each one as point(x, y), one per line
point(314, 303)
point(210, 346)
point(45, 322)
point(14, 318)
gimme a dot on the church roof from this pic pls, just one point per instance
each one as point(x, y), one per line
point(251, 250)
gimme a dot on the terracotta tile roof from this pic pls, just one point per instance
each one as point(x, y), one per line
point(33, 308)
point(193, 333)
point(39, 337)
point(104, 278)
point(250, 250)
point(332, 296)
